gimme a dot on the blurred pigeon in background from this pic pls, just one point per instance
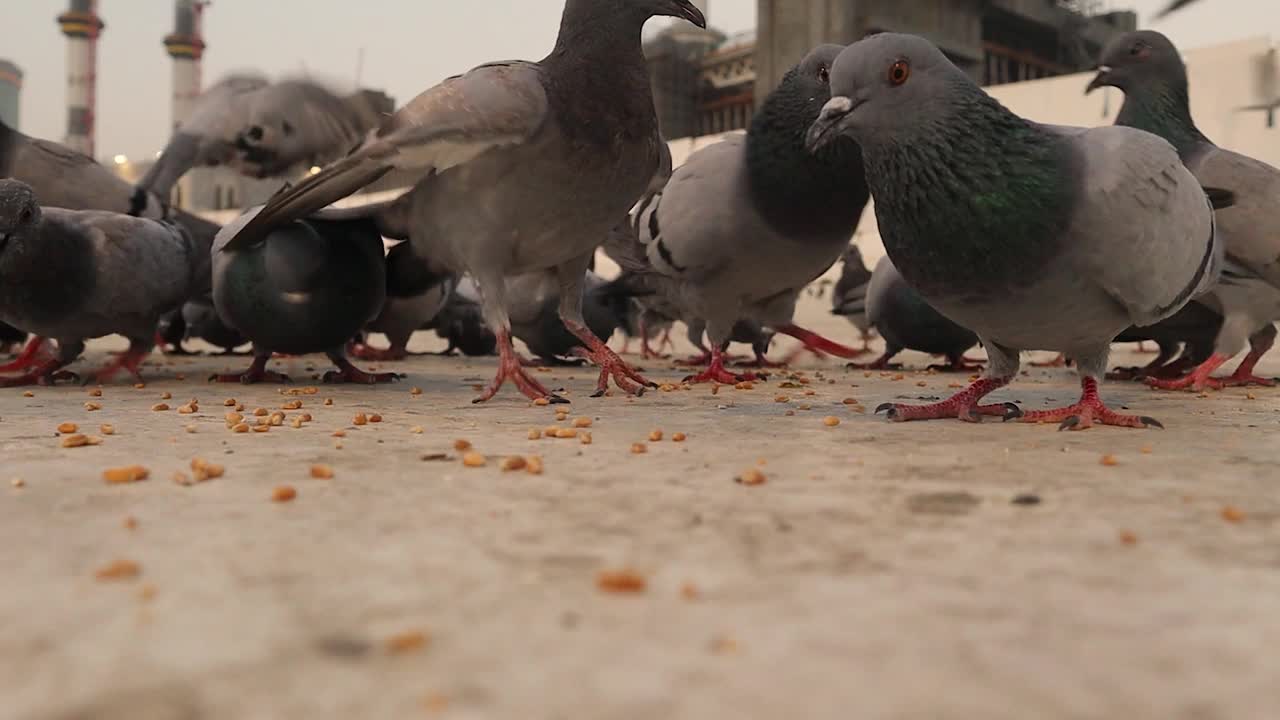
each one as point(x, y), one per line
point(415, 295)
point(849, 298)
point(907, 321)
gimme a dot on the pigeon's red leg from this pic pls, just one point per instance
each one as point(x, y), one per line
point(1196, 380)
point(1060, 361)
point(45, 372)
point(348, 373)
point(1149, 370)
point(256, 373)
point(366, 352)
point(627, 378)
point(646, 350)
point(1088, 411)
point(509, 368)
point(1258, 346)
point(814, 341)
point(667, 342)
point(963, 405)
point(28, 357)
point(127, 360)
point(715, 372)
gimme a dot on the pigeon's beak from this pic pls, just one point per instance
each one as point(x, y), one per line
point(830, 123)
point(688, 11)
point(1102, 79)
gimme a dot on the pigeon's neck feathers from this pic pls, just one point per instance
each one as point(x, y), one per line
point(973, 199)
point(802, 194)
point(1163, 108)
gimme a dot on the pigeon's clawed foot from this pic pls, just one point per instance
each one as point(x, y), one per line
point(1061, 361)
point(256, 373)
point(511, 368)
point(817, 343)
point(647, 352)
point(348, 373)
point(1197, 380)
point(959, 364)
point(611, 366)
point(1090, 410)
point(33, 354)
point(366, 352)
point(963, 405)
point(880, 363)
point(46, 372)
point(716, 373)
point(129, 360)
point(694, 360)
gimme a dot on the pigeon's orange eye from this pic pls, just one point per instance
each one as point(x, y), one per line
point(899, 72)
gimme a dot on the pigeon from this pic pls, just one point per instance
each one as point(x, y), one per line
point(1147, 67)
point(744, 331)
point(171, 332)
point(415, 295)
point(1184, 341)
point(1036, 237)
point(72, 275)
point(200, 320)
point(260, 129)
point(535, 298)
point(461, 323)
point(907, 322)
point(64, 178)
point(849, 298)
point(745, 224)
point(10, 338)
point(521, 167)
point(1172, 7)
point(640, 321)
point(308, 286)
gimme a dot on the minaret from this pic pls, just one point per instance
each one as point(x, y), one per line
point(186, 46)
point(82, 26)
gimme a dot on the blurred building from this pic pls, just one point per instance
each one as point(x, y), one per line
point(10, 93)
point(705, 82)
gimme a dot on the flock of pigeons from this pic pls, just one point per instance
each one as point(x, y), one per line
point(998, 230)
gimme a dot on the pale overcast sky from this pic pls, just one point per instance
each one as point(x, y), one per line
point(408, 45)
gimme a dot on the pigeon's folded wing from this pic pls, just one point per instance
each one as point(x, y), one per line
point(1160, 248)
point(491, 106)
point(691, 231)
point(1256, 186)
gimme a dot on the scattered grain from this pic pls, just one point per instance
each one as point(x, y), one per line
point(751, 477)
point(474, 459)
point(321, 472)
point(283, 493)
point(679, 437)
point(533, 465)
point(122, 475)
point(67, 428)
point(1109, 460)
point(118, 570)
point(625, 581)
point(406, 642)
point(1233, 514)
point(514, 462)
point(160, 407)
point(92, 406)
point(582, 422)
point(360, 419)
point(639, 448)
point(240, 428)
point(831, 421)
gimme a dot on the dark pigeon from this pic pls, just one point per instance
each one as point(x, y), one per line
point(200, 318)
point(1148, 68)
point(10, 338)
point(1036, 237)
point(461, 323)
point(72, 275)
point(309, 286)
point(522, 167)
point(415, 295)
point(171, 332)
point(849, 298)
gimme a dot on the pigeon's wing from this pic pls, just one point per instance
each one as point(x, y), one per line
point(622, 245)
point(878, 287)
point(1251, 226)
point(489, 107)
point(1143, 227)
point(206, 136)
point(692, 230)
point(297, 121)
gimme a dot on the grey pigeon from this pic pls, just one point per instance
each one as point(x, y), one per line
point(461, 323)
point(308, 286)
point(1147, 67)
point(744, 331)
point(415, 295)
point(200, 320)
point(640, 321)
point(72, 275)
point(907, 321)
point(10, 337)
point(745, 224)
point(1036, 237)
point(522, 167)
point(261, 129)
point(849, 298)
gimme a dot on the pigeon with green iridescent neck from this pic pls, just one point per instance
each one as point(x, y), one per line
point(1147, 67)
point(1035, 237)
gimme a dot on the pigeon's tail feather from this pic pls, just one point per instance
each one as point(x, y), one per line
point(314, 193)
point(623, 246)
point(1220, 199)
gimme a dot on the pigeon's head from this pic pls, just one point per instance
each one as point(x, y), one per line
point(879, 84)
point(639, 10)
point(1136, 59)
point(19, 210)
point(803, 91)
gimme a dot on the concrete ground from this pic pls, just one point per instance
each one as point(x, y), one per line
point(881, 571)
